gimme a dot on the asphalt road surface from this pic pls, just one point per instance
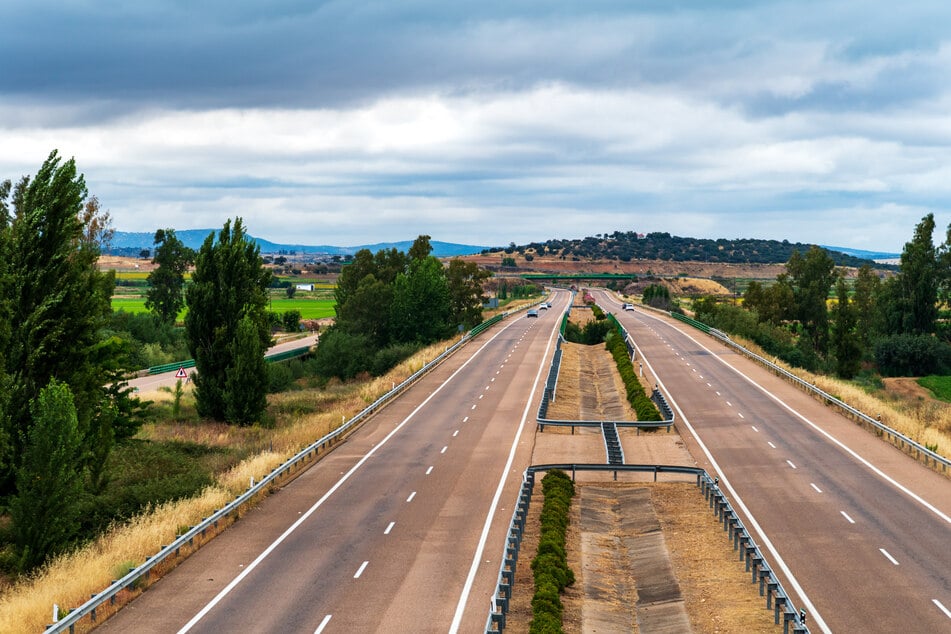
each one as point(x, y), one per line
point(153, 382)
point(858, 532)
point(400, 528)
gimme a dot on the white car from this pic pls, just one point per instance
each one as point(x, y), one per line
point(628, 307)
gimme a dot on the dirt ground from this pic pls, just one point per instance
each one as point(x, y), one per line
point(715, 589)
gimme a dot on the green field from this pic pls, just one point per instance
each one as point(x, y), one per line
point(940, 386)
point(309, 308)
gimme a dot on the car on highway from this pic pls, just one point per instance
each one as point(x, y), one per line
point(628, 306)
point(532, 313)
point(542, 306)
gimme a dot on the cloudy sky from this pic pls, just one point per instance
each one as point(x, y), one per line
point(352, 122)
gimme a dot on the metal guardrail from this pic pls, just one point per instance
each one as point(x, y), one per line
point(777, 599)
point(922, 453)
point(548, 396)
point(190, 363)
point(296, 462)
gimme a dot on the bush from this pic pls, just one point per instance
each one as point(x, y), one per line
point(912, 355)
point(550, 565)
point(290, 321)
point(644, 408)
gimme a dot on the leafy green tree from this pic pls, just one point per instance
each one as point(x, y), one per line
point(868, 287)
point(420, 309)
point(290, 321)
point(228, 284)
point(848, 351)
point(918, 280)
point(466, 295)
point(657, 295)
point(812, 277)
point(45, 510)
point(57, 304)
point(247, 376)
point(165, 296)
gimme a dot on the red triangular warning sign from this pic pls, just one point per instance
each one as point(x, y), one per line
point(181, 374)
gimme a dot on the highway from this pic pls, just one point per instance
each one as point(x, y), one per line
point(400, 528)
point(857, 531)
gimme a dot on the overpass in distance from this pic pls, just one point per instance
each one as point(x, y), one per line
point(403, 525)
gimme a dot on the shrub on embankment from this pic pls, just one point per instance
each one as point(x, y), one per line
point(550, 566)
point(636, 396)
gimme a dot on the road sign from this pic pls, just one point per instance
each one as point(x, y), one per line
point(181, 374)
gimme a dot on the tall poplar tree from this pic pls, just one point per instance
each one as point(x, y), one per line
point(229, 283)
point(56, 302)
point(166, 296)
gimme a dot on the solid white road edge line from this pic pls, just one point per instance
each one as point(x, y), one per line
point(725, 482)
point(477, 557)
point(293, 527)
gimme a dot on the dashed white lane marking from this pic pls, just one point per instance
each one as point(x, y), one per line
point(770, 444)
point(411, 496)
point(947, 612)
point(323, 624)
point(718, 392)
point(789, 462)
point(492, 379)
point(818, 490)
point(429, 470)
point(473, 407)
point(754, 428)
point(487, 386)
point(480, 396)
point(701, 376)
point(740, 414)
point(360, 570)
point(455, 433)
point(466, 419)
point(708, 383)
point(887, 556)
point(729, 403)
point(444, 449)
point(389, 528)
point(846, 516)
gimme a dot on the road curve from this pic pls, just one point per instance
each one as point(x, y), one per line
point(857, 531)
point(399, 528)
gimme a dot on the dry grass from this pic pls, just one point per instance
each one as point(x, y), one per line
point(926, 421)
point(302, 417)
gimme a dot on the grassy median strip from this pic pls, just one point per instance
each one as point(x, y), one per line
point(550, 566)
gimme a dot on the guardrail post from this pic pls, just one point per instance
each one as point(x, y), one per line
point(780, 603)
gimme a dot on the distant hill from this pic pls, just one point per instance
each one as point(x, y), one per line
point(868, 255)
point(131, 243)
point(629, 245)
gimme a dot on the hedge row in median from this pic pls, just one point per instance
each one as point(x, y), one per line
point(550, 566)
point(636, 396)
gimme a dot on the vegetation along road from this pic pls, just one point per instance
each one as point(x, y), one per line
point(399, 529)
point(856, 530)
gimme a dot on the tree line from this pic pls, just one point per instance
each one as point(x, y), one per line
point(629, 245)
point(391, 303)
point(895, 323)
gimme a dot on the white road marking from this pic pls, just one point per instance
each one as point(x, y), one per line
point(789, 462)
point(770, 444)
point(480, 396)
point(293, 527)
point(754, 428)
point(887, 556)
point(708, 384)
point(389, 528)
point(729, 403)
point(323, 624)
point(718, 393)
point(411, 496)
point(360, 570)
point(487, 387)
point(947, 612)
point(466, 419)
point(701, 376)
point(740, 414)
point(444, 449)
point(846, 516)
point(818, 490)
point(455, 433)
point(477, 556)
point(429, 470)
point(473, 407)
